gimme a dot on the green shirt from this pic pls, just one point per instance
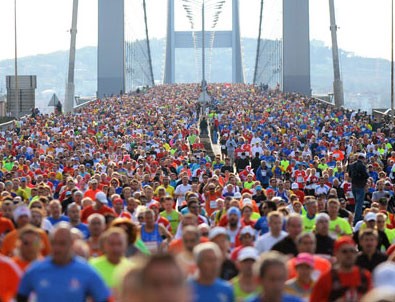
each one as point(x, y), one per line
point(173, 218)
point(343, 224)
point(106, 269)
point(308, 223)
point(192, 139)
point(241, 295)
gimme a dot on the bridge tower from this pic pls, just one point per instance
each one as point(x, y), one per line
point(110, 50)
point(184, 39)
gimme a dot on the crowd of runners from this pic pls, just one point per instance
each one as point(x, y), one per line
point(121, 202)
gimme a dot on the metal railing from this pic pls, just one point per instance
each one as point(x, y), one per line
point(10, 125)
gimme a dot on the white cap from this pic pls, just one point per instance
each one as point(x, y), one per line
point(237, 195)
point(384, 275)
point(101, 197)
point(370, 216)
point(294, 186)
point(358, 225)
point(248, 253)
point(247, 201)
point(363, 155)
point(247, 230)
point(21, 211)
point(216, 232)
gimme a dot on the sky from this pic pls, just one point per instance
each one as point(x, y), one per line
point(43, 24)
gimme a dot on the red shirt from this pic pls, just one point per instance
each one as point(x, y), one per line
point(90, 210)
point(6, 226)
point(322, 289)
point(163, 221)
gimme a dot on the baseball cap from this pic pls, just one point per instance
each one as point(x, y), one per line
point(247, 253)
point(390, 250)
point(154, 205)
point(294, 186)
point(304, 258)
point(269, 191)
point(233, 210)
point(214, 232)
point(343, 240)
point(237, 195)
point(117, 200)
point(361, 155)
point(370, 216)
point(247, 201)
point(21, 211)
point(258, 188)
point(384, 275)
point(247, 230)
point(101, 197)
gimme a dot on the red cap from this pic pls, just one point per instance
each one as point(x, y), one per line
point(343, 240)
point(118, 200)
point(390, 250)
point(269, 191)
point(155, 205)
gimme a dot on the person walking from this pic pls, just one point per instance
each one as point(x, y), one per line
point(359, 176)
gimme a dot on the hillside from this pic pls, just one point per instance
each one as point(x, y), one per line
point(366, 80)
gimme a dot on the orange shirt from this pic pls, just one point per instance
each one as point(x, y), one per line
point(10, 240)
point(211, 203)
point(9, 278)
point(176, 246)
point(321, 266)
point(91, 193)
point(322, 289)
point(6, 225)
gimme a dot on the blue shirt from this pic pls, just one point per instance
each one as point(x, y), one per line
point(285, 298)
point(54, 221)
point(72, 282)
point(220, 290)
point(84, 229)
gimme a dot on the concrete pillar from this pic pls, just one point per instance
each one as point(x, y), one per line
point(110, 52)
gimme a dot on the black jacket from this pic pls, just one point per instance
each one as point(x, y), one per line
point(286, 246)
point(359, 174)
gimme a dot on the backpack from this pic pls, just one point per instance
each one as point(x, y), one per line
point(338, 290)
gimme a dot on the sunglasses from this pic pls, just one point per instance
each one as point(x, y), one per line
point(348, 251)
point(140, 217)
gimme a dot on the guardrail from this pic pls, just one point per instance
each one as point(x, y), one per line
point(11, 124)
point(324, 102)
point(7, 125)
point(381, 114)
point(84, 104)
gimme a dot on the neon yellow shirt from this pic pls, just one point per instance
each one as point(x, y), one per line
point(308, 224)
point(344, 227)
point(106, 269)
point(241, 295)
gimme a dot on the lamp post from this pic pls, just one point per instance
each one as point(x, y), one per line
point(16, 64)
point(70, 87)
point(203, 54)
point(392, 58)
point(337, 82)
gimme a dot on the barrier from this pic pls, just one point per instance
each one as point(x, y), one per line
point(10, 125)
point(93, 99)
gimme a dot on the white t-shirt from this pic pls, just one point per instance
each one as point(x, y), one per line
point(266, 241)
point(181, 190)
